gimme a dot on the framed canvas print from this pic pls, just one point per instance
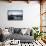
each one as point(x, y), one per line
point(15, 14)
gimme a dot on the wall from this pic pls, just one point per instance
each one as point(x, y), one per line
point(31, 14)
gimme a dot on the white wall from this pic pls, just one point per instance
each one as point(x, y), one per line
point(31, 14)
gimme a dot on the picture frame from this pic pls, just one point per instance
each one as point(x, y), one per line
point(15, 14)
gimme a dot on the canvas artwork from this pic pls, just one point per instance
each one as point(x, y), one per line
point(15, 14)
